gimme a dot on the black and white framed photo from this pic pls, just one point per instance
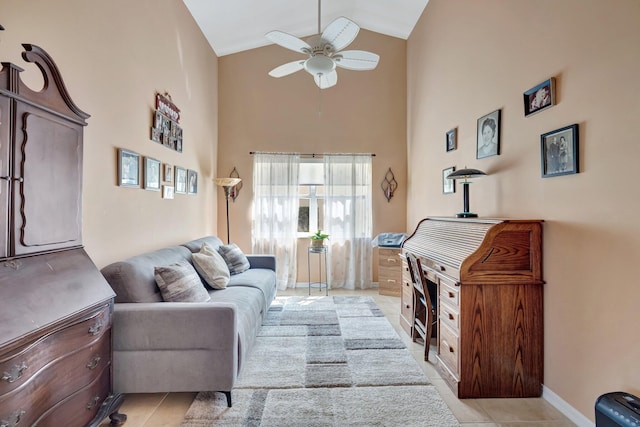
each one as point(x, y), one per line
point(151, 174)
point(167, 172)
point(181, 180)
point(488, 142)
point(128, 168)
point(559, 151)
point(192, 182)
point(540, 97)
point(448, 185)
point(167, 191)
point(452, 139)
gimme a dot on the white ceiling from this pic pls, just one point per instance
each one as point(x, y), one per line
point(233, 26)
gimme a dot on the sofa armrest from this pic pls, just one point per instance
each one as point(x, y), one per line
point(175, 326)
point(262, 261)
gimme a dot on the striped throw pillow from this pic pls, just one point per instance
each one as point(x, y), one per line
point(235, 259)
point(179, 282)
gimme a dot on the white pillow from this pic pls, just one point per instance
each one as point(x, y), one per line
point(212, 267)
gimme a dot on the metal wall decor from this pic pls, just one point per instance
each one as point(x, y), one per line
point(165, 129)
point(389, 185)
point(235, 190)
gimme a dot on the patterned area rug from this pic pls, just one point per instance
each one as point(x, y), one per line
point(326, 361)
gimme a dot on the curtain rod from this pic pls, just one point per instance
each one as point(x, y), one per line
point(314, 155)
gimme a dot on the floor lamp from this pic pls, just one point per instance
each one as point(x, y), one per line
point(227, 184)
point(466, 174)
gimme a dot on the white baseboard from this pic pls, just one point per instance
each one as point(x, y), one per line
point(567, 410)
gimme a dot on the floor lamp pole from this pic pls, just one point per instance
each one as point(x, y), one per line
point(227, 184)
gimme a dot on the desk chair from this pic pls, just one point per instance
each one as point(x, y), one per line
point(423, 310)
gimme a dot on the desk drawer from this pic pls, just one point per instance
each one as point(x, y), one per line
point(449, 315)
point(450, 349)
point(449, 293)
point(389, 258)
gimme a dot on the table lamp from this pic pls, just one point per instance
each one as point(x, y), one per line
point(466, 174)
point(227, 184)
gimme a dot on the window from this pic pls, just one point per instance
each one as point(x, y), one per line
point(311, 196)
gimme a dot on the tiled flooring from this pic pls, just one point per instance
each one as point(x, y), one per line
point(168, 409)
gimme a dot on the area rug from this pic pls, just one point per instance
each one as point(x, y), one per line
point(326, 361)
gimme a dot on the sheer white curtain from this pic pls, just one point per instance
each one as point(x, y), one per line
point(348, 219)
point(275, 212)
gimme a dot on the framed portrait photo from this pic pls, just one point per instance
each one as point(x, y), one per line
point(540, 97)
point(181, 180)
point(559, 151)
point(192, 182)
point(167, 191)
point(151, 174)
point(488, 141)
point(452, 139)
point(448, 185)
point(128, 168)
point(167, 172)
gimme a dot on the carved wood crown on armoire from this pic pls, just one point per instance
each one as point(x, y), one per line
point(55, 306)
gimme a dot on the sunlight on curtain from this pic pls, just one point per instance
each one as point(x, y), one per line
point(348, 220)
point(275, 212)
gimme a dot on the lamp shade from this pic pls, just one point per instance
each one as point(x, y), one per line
point(227, 182)
point(466, 173)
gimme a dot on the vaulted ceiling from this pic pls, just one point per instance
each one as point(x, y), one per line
point(233, 26)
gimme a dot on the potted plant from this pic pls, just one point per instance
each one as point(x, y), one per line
point(317, 239)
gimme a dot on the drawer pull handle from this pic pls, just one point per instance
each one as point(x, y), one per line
point(391, 281)
point(448, 346)
point(407, 306)
point(392, 260)
point(452, 295)
point(93, 402)
point(93, 363)
point(449, 315)
point(95, 329)
point(14, 420)
point(15, 374)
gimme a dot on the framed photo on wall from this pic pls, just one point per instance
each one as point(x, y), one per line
point(559, 151)
point(448, 185)
point(540, 97)
point(452, 137)
point(192, 182)
point(151, 174)
point(181, 180)
point(488, 142)
point(128, 168)
point(167, 172)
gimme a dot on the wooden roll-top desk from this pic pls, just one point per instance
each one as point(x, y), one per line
point(488, 276)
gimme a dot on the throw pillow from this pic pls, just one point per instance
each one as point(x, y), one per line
point(179, 282)
point(235, 259)
point(211, 266)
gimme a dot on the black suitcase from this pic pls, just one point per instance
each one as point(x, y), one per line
point(617, 409)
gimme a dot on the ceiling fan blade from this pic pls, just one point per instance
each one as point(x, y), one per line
point(356, 60)
point(340, 33)
point(325, 81)
point(286, 69)
point(288, 41)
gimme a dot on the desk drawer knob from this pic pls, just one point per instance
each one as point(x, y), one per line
point(446, 344)
point(93, 402)
point(95, 329)
point(15, 374)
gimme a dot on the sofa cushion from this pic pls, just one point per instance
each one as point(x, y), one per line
point(236, 260)
point(179, 282)
point(211, 266)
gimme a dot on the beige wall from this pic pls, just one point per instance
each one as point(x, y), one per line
point(114, 56)
point(365, 112)
point(467, 58)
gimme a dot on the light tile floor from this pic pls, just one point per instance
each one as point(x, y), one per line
point(168, 409)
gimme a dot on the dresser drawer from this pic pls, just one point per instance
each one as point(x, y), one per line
point(81, 407)
point(449, 348)
point(19, 366)
point(70, 373)
point(449, 293)
point(449, 315)
point(389, 258)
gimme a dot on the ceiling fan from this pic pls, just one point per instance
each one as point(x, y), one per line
point(324, 52)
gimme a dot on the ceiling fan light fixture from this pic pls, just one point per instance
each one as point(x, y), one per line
point(319, 64)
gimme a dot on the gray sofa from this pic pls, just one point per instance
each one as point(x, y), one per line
point(184, 346)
